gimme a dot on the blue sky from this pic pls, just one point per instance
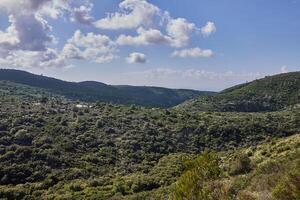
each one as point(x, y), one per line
point(198, 44)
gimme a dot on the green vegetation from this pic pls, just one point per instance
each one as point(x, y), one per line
point(95, 91)
point(54, 148)
point(195, 182)
point(274, 175)
point(271, 93)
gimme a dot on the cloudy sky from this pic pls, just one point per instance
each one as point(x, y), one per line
point(198, 44)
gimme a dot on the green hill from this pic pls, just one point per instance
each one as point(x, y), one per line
point(95, 91)
point(56, 149)
point(268, 94)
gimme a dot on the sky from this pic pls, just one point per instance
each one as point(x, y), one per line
point(195, 44)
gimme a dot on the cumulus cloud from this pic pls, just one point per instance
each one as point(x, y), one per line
point(70, 51)
point(29, 33)
point(9, 38)
point(208, 29)
point(179, 29)
point(82, 15)
point(132, 14)
point(146, 18)
point(32, 32)
point(178, 35)
point(136, 58)
point(38, 59)
point(91, 40)
point(26, 32)
point(28, 6)
point(144, 37)
point(94, 47)
point(193, 53)
point(51, 8)
point(25, 41)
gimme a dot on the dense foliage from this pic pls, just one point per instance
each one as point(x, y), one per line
point(95, 91)
point(268, 94)
point(274, 174)
point(194, 183)
point(54, 148)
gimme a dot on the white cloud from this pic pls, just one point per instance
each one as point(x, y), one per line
point(24, 44)
point(208, 29)
point(147, 18)
point(136, 58)
point(193, 53)
point(92, 47)
point(26, 32)
point(33, 59)
point(145, 37)
point(30, 34)
point(51, 8)
point(132, 14)
point(100, 42)
point(70, 51)
point(179, 29)
point(82, 15)
point(105, 58)
point(177, 34)
point(9, 38)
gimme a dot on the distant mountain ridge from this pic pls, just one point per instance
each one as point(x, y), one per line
point(96, 91)
point(268, 94)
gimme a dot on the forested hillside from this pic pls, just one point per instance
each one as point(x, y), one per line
point(268, 94)
point(95, 91)
point(54, 148)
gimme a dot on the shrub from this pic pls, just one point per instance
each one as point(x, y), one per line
point(76, 187)
point(240, 165)
point(120, 186)
point(289, 187)
point(195, 182)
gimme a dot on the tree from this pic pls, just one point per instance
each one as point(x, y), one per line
point(194, 183)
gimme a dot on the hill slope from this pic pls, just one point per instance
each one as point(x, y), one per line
point(96, 91)
point(59, 151)
point(268, 94)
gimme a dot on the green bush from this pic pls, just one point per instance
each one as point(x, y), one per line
point(288, 188)
point(196, 183)
point(240, 165)
point(76, 187)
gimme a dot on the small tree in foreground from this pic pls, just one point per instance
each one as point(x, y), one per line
point(198, 179)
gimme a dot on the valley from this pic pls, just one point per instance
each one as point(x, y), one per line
point(52, 147)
